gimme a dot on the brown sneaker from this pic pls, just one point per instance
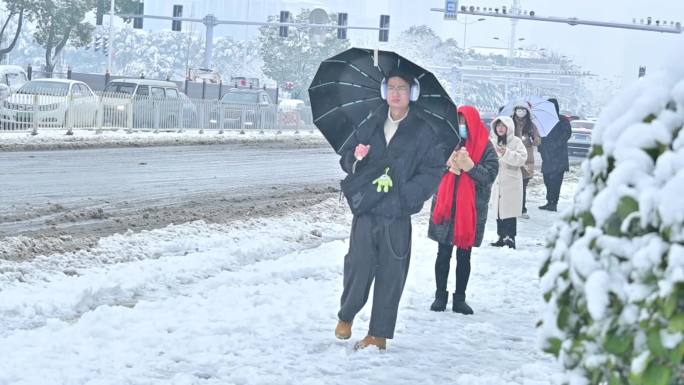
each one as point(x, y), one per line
point(378, 342)
point(343, 330)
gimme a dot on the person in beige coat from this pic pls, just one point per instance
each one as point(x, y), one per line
point(507, 191)
point(526, 130)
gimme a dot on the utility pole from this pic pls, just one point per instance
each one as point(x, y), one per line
point(514, 26)
point(511, 42)
point(110, 50)
point(210, 22)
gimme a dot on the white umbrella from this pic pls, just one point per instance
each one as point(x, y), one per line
point(542, 111)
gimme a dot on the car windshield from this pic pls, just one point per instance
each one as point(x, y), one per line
point(45, 88)
point(241, 97)
point(578, 124)
point(120, 88)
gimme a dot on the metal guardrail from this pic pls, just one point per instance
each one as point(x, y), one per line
point(59, 109)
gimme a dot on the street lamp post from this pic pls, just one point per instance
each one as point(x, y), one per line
point(511, 47)
point(465, 34)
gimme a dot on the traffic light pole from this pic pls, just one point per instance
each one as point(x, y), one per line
point(210, 21)
point(573, 21)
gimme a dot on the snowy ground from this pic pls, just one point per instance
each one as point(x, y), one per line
point(255, 302)
point(50, 139)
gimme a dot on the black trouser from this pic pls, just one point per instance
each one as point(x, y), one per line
point(379, 254)
point(507, 227)
point(553, 184)
point(442, 267)
point(525, 182)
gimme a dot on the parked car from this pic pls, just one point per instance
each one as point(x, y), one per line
point(11, 79)
point(51, 103)
point(247, 108)
point(142, 103)
point(580, 141)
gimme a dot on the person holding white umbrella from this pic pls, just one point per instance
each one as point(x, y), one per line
point(528, 132)
point(534, 118)
point(555, 163)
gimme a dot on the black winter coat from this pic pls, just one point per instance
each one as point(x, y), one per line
point(415, 160)
point(484, 173)
point(554, 148)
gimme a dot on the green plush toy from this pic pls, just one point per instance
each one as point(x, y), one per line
point(384, 182)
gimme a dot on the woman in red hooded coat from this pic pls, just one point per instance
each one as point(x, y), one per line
point(459, 209)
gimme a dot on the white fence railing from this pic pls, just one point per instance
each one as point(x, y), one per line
point(63, 109)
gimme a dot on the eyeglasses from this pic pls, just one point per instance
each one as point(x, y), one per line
point(397, 88)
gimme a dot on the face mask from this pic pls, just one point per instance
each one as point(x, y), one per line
point(520, 113)
point(462, 131)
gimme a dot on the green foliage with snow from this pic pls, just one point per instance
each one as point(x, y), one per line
point(613, 278)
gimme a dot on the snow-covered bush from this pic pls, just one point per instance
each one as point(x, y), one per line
point(613, 278)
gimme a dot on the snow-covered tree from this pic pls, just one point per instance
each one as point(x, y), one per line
point(18, 10)
point(238, 58)
point(420, 43)
point(26, 50)
point(60, 22)
point(296, 58)
point(613, 279)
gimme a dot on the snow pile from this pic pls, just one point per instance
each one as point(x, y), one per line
point(613, 279)
point(87, 138)
point(256, 303)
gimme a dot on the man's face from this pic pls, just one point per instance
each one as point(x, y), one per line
point(398, 92)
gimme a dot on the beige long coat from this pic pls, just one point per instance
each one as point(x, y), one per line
point(507, 190)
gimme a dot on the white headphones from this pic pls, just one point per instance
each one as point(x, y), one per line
point(415, 90)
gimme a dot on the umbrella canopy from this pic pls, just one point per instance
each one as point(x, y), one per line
point(345, 96)
point(542, 111)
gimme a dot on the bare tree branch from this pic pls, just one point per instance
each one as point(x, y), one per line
point(20, 23)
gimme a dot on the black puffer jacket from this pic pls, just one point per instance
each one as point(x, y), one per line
point(554, 148)
point(484, 173)
point(413, 156)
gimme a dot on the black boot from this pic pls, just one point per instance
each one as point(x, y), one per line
point(460, 306)
point(549, 207)
point(440, 302)
point(510, 242)
point(499, 243)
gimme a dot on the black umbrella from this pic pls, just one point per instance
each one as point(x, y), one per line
point(345, 96)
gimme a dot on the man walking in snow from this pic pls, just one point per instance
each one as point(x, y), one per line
point(554, 154)
point(404, 146)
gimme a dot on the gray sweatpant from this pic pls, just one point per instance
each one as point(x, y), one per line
point(380, 250)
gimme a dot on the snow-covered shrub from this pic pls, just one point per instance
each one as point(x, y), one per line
point(613, 278)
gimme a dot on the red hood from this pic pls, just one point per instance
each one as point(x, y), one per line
point(478, 135)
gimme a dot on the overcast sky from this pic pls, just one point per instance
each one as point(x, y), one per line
point(608, 52)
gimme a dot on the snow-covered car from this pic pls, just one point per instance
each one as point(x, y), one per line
point(580, 140)
point(247, 108)
point(142, 103)
point(50, 103)
point(11, 79)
